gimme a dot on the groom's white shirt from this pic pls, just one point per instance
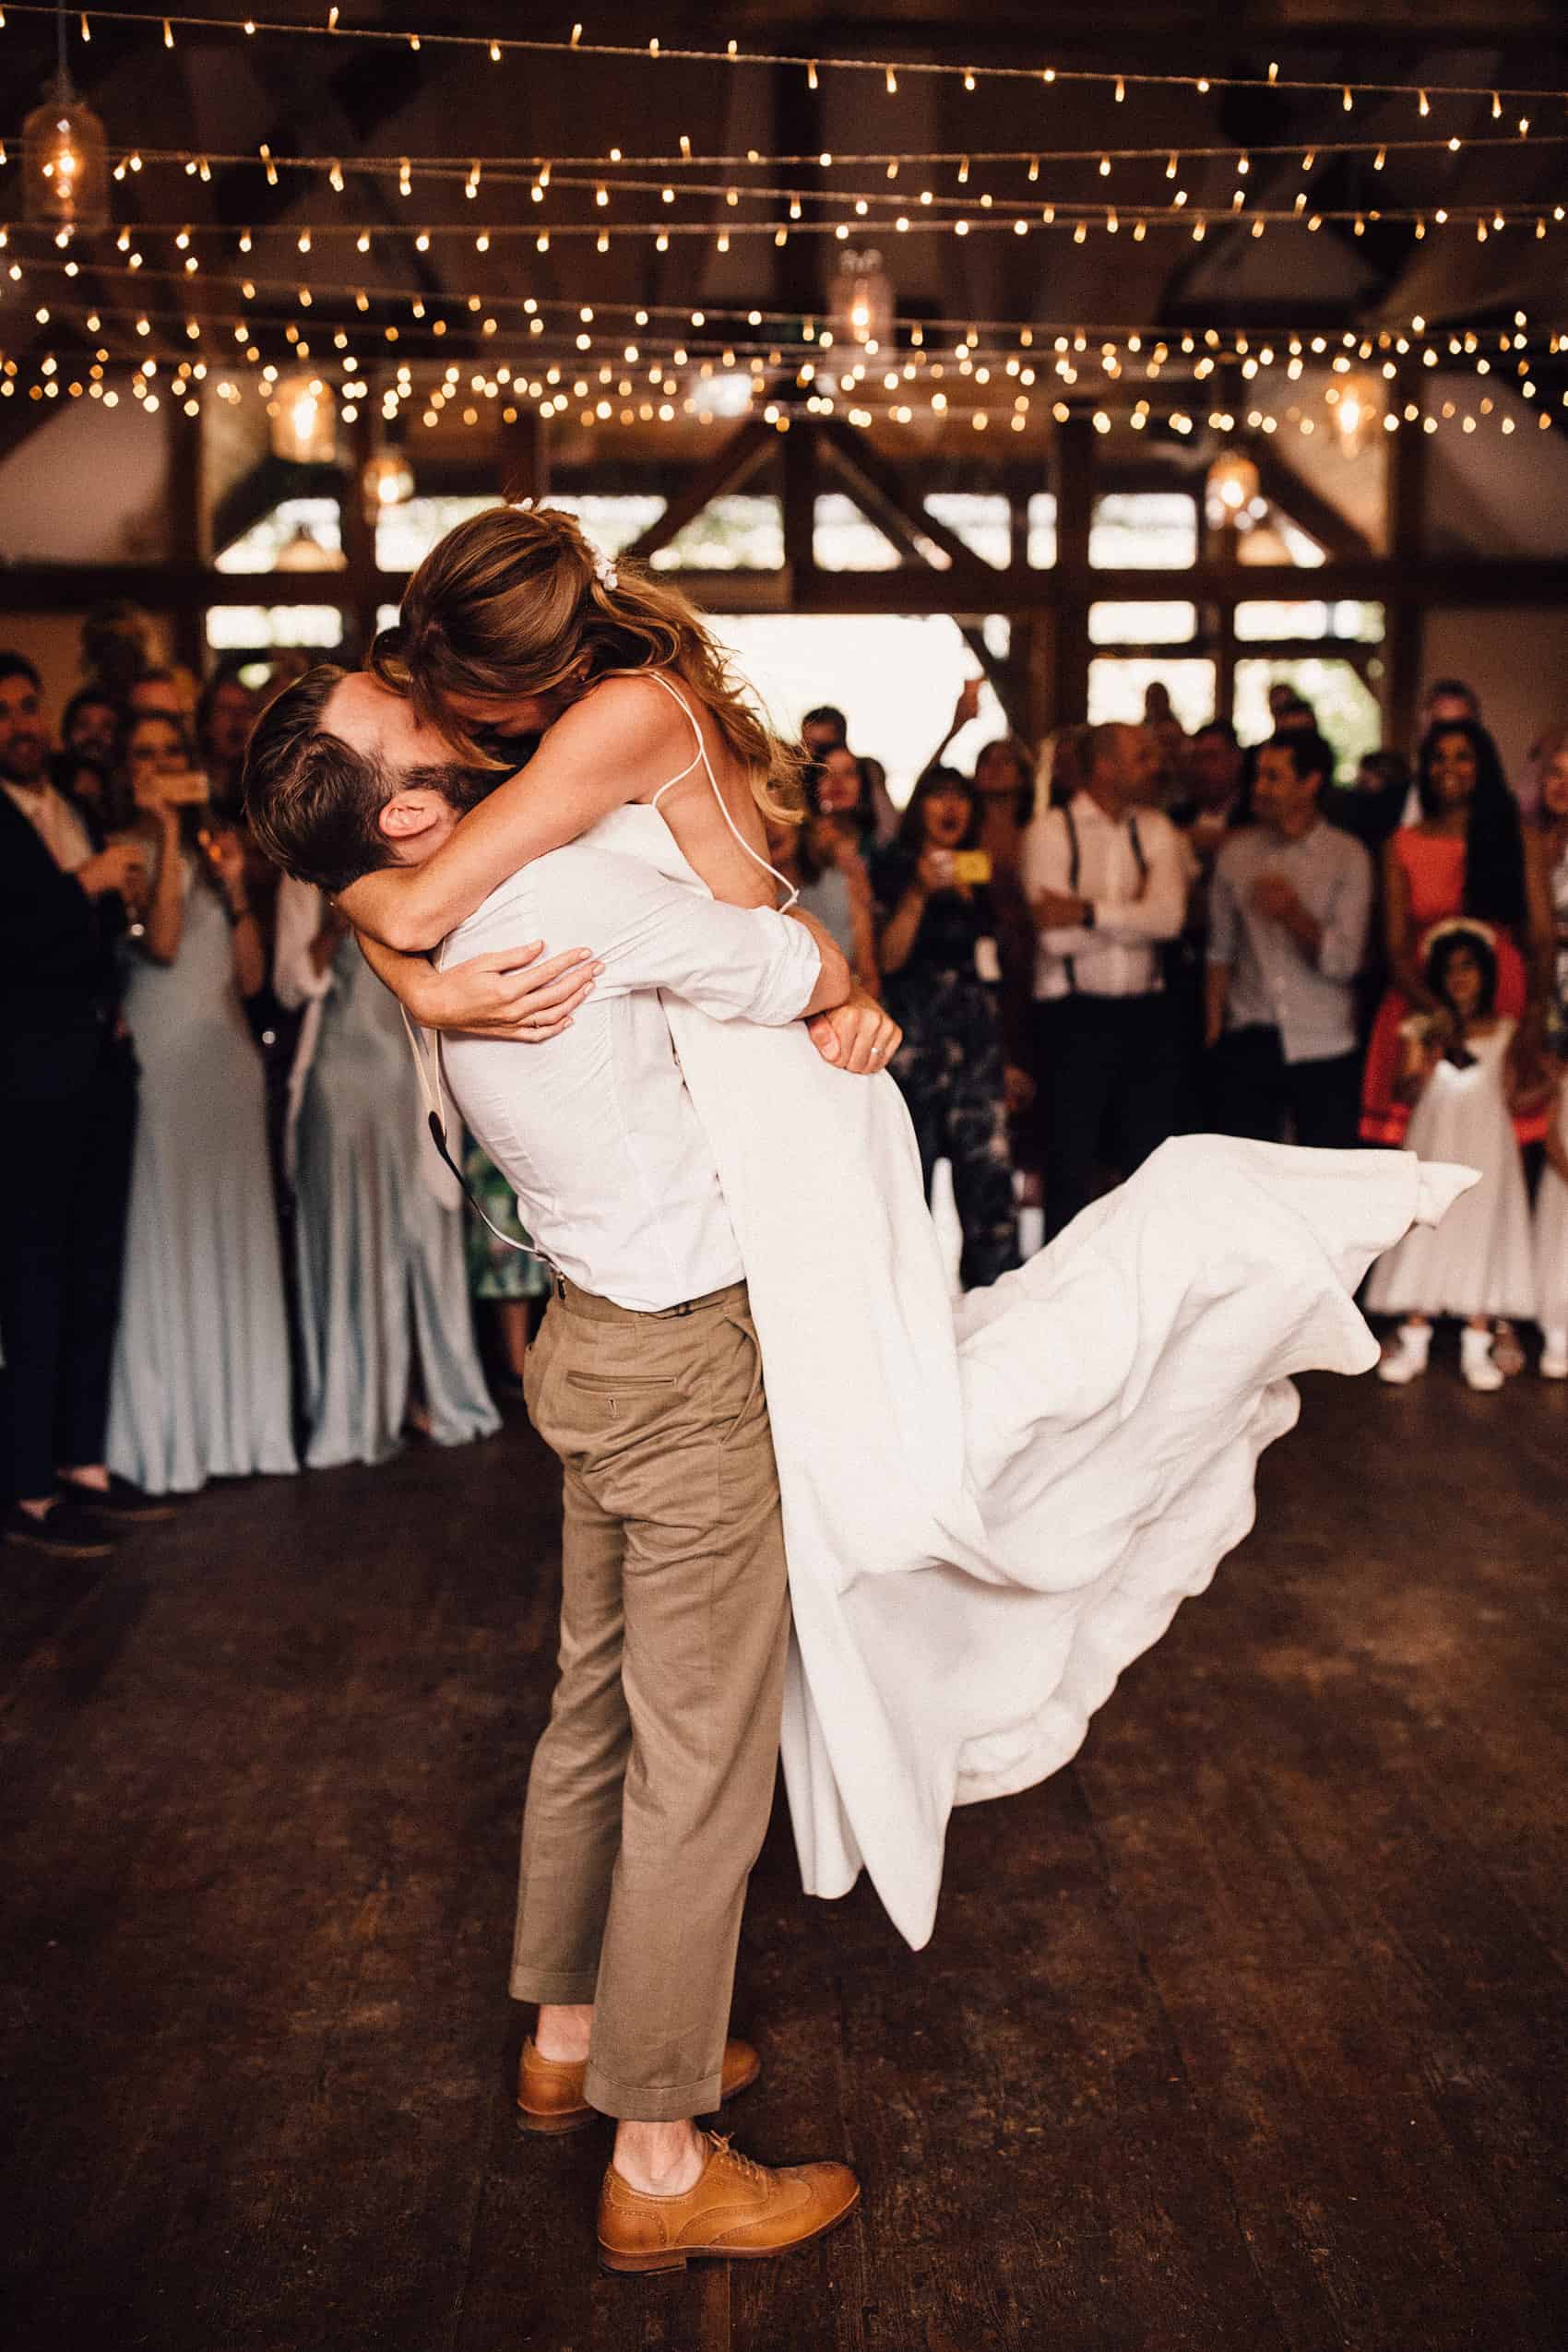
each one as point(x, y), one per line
point(596, 1132)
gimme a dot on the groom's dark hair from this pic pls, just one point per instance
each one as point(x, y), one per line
point(314, 803)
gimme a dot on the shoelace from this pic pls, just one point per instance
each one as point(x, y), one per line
point(719, 2142)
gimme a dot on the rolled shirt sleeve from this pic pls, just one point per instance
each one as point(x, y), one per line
point(734, 963)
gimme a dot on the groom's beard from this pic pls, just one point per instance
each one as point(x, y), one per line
point(464, 788)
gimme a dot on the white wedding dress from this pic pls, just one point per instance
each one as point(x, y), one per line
point(989, 1510)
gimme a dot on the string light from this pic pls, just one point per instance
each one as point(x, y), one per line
point(502, 44)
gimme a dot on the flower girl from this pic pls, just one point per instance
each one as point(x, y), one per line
point(1462, 1071)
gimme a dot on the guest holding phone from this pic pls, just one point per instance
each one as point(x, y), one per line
point(941, 955)
point(200, 1384)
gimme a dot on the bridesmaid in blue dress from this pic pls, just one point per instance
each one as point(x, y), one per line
point(384, 1298)
point(200, 1386)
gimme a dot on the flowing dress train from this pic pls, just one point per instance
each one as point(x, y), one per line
point(989, 1511)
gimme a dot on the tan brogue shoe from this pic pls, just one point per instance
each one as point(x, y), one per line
point(549, 2090)
point(737, 2211)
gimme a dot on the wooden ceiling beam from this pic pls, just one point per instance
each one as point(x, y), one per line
point(731, 465)
point(1454, 582)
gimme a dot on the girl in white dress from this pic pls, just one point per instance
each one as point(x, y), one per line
point(989, 1509)
point(1466, 1081)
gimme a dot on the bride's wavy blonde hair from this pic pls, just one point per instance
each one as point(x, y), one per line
point(511, 601)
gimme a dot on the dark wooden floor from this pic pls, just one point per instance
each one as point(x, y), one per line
point(1248, 2032)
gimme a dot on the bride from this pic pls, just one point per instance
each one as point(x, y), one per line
point(989, 1508)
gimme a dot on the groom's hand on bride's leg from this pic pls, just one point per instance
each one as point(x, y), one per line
point(858, 1037)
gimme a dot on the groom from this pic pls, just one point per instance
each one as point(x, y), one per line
point(651, 1787)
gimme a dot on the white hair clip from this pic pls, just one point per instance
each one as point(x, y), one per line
point(604, 571)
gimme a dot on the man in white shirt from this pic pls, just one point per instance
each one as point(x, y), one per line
point(1106, 877)
point(651, 1787)
point(1289, 908)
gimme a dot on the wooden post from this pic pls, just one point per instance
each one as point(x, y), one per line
point(799, 454)
point(528, 455)
point(1072, 464)
point(1404, 629)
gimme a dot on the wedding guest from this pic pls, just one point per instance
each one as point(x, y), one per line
point(1546, 842)
point(884, 815)
point(941, 970)
point(1466, 1076)
point(1106, 877)
point(89, 726)
point(822, 731)
point(1450, 702)
point(225, 715)
point(1005, 791)
point(385, 1319)
point(1211, 804)
point(200, 1382)
point(1373, 808)
point(829, 874)
point(168, 692)
point(116, 646)
point(1465, 856)
point(837, 788)
point(1289, 911)
point(68, 1091)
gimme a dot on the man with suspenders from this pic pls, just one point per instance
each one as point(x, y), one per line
point(1106, 877)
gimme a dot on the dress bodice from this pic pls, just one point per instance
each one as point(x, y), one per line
point(1434, 867)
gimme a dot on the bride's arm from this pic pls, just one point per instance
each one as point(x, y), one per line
point(605, 751)
point(505, 993)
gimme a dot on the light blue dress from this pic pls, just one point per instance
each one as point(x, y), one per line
point(200, 1386)
point(383, 1281)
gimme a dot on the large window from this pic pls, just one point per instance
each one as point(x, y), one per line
point(896, 677)
point(1144, 530)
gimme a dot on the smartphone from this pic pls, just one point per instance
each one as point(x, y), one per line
point(971, 866)
point(184, 787)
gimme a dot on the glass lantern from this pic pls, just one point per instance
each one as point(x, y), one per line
point(64, 165)
point(1231, 488)
point(304, 419)
point(862, 300)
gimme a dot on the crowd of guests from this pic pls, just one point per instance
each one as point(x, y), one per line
point(228, 1249)
point(1142, 932)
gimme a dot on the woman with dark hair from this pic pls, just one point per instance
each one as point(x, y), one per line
point(942, 974)
point(1464, 856)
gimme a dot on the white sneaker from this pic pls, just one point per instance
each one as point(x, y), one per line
point(1406, 1358)
point(1476, 1359)
point(1553, 1363)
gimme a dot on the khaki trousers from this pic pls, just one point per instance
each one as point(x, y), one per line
point(651, 1786)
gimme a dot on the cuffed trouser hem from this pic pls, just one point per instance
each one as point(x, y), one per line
point(555, 1985)
point(652, 2102)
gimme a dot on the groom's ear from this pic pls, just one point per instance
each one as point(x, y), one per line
point(408, 814)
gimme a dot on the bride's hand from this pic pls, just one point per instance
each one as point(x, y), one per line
point(505, 994)
point(858, 1036)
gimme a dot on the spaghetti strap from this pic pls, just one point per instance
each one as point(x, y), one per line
point(701, 755)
